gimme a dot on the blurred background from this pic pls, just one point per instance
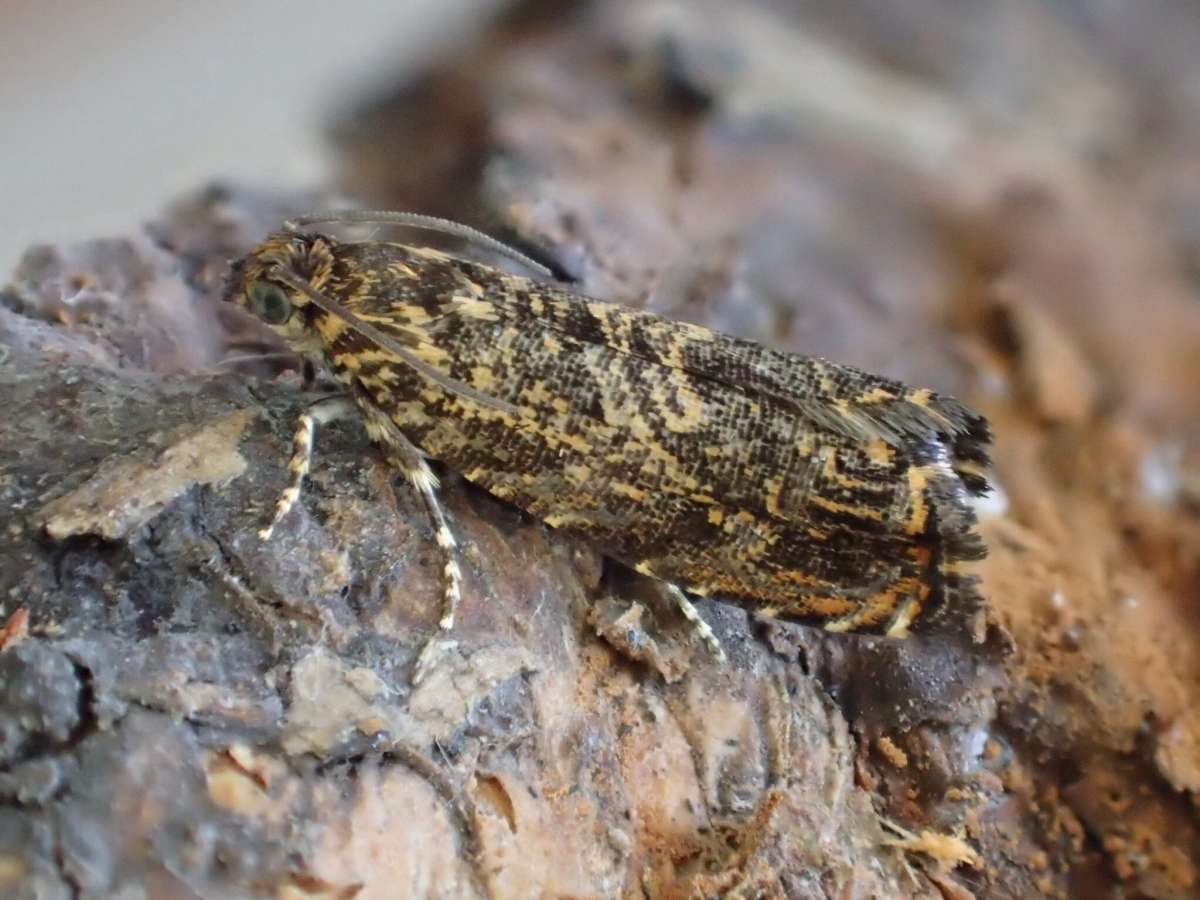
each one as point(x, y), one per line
point(109, 108)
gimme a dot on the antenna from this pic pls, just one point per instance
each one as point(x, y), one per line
point(427, 223)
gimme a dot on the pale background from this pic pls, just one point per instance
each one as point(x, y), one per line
point(110, 109)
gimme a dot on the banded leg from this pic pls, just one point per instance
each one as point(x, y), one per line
point(405, 456)
point(867, 615)
point(693, 615)
point(320, 413)
point(689, 611)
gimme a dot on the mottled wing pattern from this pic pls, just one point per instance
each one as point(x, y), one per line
point(792, 484)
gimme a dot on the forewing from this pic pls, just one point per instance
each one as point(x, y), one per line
point(795, 484)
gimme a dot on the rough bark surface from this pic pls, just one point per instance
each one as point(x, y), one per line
point(998, 202)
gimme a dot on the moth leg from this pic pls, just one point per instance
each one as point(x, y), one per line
point(405, 456)
point(693, 615)
point(897, 626)
point(843, 624)
point(867, 612)
point(426, 483)
point(689, 611)
point(320, 413)
point(908, 611)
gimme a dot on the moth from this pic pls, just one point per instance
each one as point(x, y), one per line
point(793, 485)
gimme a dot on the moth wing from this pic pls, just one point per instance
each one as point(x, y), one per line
point(840, 399)
point(844, 401)
point(844, 554)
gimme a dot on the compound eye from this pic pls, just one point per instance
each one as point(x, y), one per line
point(270, 303)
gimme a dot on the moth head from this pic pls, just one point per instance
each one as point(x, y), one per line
point(264, 283)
